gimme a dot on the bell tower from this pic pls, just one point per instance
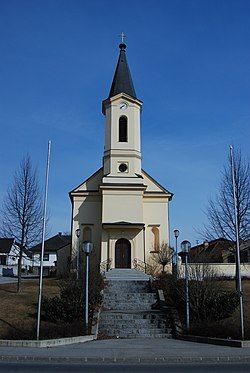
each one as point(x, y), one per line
point(122, 109)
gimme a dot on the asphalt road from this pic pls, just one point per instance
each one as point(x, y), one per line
point(122, 368)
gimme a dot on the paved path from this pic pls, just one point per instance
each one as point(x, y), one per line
point(10, 280)
point(131, 350)
point(7, 280)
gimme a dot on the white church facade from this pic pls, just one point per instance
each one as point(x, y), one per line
point(121, 209)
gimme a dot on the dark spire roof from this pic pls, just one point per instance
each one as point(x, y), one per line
point(122, 81)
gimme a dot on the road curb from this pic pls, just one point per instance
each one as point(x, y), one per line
point(46, 342)
point(214, 341)
point(135, 360)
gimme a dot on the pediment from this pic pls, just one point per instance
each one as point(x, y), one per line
point(91, 184)
point(153, 185)
point(95, 180)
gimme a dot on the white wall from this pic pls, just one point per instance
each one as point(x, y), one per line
point(46, 263)
point(222, 269)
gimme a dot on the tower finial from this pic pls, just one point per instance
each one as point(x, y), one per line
point(123, 36)
point(122, 46)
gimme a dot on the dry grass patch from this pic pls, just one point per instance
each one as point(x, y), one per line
point(18, 312)
point(229, 327)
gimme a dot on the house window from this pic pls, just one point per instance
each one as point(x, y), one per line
point(3, 260)
point(45, 257)
point(123, 129)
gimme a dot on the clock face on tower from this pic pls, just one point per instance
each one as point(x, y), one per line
point(123, 105)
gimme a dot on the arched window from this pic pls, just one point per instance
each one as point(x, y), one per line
point(123, 129)
point(156, 241)
point(86, 233)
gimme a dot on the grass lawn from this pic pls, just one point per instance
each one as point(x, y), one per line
point(18, 312)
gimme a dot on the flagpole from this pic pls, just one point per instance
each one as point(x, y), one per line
point(238, 271)
point(43, 239)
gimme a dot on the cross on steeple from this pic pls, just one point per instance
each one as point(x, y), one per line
point(123, 36)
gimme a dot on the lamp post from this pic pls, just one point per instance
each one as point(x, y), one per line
point(78, 233)
point(185, 246)
point(176, 234)
point(87, 248)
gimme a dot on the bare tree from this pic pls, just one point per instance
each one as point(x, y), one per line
point(220, 211)
point(164, 255)
point(22, 210)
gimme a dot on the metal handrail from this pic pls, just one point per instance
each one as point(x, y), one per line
point(105, 265)
point(142, 266)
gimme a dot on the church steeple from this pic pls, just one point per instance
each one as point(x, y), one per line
point(122, 150)
point(122, 81)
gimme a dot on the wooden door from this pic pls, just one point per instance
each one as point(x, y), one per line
point(122, 253)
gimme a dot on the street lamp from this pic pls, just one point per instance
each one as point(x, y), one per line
point(185, 246)
point(78, 234)
point(87, 248)
point(176, 234)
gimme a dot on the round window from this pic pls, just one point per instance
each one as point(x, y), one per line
point(123, 167)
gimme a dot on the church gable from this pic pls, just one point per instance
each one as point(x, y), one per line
point(92, 183)
point(153, 185)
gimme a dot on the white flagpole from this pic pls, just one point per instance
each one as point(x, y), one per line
point(238, 279)
point(43, 239)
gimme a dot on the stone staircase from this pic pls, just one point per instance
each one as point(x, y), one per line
point(126, 310)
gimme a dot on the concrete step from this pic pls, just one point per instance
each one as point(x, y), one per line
point(134, 322)
point(127, 286)
point(152, 314)
point(142, 323)
point(126, 311)
point(162, 335)
point(129, 296)
point(114, 329)
point(129, 301)
point(124, 334)
point(126, 274)
point(127, 306)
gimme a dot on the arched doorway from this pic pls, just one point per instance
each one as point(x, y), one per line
point(122, 253)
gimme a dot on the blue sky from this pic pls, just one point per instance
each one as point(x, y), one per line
point(190, 63)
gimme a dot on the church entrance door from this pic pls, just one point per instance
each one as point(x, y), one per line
point(122, 253)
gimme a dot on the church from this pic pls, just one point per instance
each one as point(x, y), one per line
point(121, 209)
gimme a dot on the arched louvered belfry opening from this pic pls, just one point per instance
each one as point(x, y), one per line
point(123, 129)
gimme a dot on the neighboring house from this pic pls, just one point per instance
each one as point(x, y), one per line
point(9, 254)
point(51, 248)
point(245, 252)
point(220, 250)
point(219, 255)
point(214, 251)
point(63, 260)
